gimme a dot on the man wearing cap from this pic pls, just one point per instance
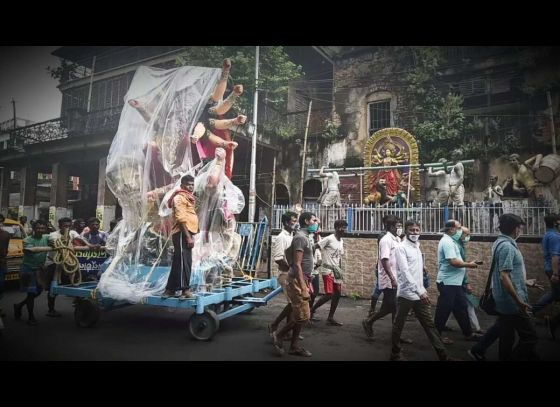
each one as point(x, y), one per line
point(449, 282)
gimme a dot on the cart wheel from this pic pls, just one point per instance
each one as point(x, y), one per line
point(86, 313)
point(204, 326)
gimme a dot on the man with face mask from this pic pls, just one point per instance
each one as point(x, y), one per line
point(332, 249)
point(450, 281)
point(281, 243)
point(509, 289)
point(411, 293)
point(300, 257)
point(387, 277)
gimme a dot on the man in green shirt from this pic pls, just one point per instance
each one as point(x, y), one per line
point(35, 249)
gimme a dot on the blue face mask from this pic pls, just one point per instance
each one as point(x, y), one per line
point(313, 228)
point(457, 235)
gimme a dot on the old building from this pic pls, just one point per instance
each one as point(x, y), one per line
point(58, 166)
point(505, 90)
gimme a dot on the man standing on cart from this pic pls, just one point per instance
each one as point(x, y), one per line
point(184, 228)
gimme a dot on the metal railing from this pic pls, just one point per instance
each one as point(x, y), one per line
point(106, 120)
point(479, 217)
point(40, 132)
point(254, 238)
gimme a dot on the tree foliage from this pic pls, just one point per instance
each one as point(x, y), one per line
point(65, 72)
point(435, 114)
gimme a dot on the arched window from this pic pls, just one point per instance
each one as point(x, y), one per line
point(311, 190)
point(282, 195)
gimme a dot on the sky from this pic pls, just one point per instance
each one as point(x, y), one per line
point(24, 77)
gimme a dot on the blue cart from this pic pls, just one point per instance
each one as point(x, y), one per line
point(210, 307)
point(240, 295)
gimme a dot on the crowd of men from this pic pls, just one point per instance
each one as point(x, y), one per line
point(303, 257)
point(41, 242)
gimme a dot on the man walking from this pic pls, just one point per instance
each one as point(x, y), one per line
point(300, 255)
point(510, 293)
point(387, 277)
point(449, 281)
point(411, 293)
point(332, 250)
point(281, 243)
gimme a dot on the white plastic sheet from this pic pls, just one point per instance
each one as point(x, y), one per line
point(148, 156)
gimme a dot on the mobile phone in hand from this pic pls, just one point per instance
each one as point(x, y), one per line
point(479, 262)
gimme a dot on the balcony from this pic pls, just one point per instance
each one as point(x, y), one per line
point(75, 124)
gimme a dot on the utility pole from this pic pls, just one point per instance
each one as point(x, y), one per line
point(304, 153)
point(551, 122)
point(252, 187)
point(90, 84)
point(14, 109)
point(273, 197)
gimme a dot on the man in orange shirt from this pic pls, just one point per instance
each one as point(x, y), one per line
point(184, 228)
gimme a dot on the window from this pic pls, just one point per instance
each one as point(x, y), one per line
point(379, 115)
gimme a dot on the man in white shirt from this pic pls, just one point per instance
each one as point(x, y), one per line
point(411, 293)
point(332, 250)
point(281, 243)
point(386, 266)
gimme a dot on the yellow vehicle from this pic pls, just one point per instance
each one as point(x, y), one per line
point(14, 257)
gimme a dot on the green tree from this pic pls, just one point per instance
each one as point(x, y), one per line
point(434, 114)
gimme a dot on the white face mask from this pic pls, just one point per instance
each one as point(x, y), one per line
point(414, 238)
point(399, 232)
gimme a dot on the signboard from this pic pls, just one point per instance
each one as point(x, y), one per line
point(91, 261)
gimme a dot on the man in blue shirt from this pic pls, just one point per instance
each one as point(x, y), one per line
point(510, 293)
point(94, 236)
point(551, 250)
point(450, 282)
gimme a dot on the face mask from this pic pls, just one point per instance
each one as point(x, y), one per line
point(399, 231)
point(313, 228)
point(414, 238)
point(457, 235)
point(467, 238)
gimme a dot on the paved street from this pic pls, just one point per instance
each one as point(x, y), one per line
point(143, 332)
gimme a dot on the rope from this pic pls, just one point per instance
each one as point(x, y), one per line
point(65, 257)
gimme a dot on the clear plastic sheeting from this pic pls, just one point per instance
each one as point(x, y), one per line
point(148, 156)
point(217, 245)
